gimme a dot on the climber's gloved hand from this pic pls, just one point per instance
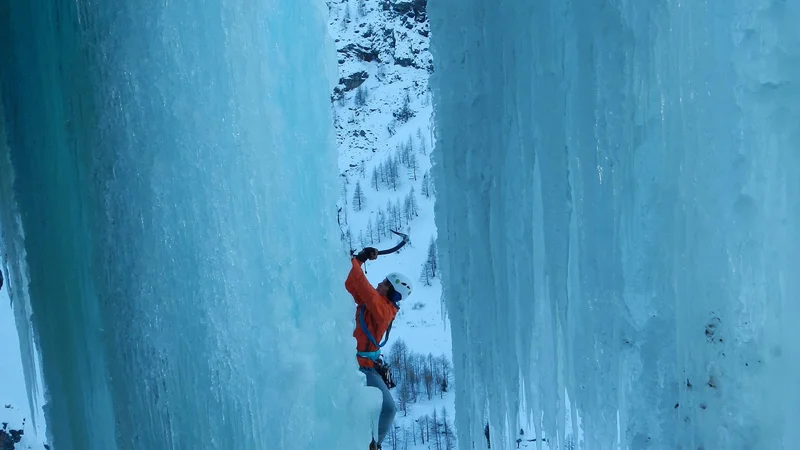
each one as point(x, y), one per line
point(367, 253)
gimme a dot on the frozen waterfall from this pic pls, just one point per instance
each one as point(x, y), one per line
point(618, 206)
point(168, 188)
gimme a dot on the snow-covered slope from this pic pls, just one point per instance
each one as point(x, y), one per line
point(383, 118)
point(15, 410)
point(384, 62)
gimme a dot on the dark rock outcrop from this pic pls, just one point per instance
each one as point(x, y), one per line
point(359, 51)
point(350, 82)
point(9, 438)
point(354, 80)
point(416, 9)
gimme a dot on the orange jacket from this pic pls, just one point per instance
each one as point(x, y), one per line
point(379, 314)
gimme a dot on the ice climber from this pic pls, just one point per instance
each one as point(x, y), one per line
point(377, 308)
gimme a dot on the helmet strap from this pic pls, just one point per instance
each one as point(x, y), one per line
point(395, 296)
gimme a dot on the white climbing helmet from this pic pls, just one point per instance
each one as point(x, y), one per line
point(401, 284)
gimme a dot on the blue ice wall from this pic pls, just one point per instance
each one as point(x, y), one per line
point(172, 222)
point(618, 188)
